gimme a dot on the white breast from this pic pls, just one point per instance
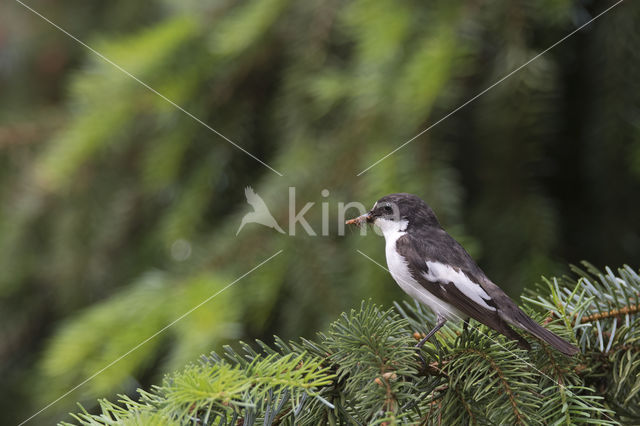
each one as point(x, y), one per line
point(401, 273)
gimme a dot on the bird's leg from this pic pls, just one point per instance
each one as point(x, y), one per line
point(465, 325)
point(440, 322)
point(465, 329)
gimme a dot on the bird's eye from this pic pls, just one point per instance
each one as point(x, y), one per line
point(388, 208)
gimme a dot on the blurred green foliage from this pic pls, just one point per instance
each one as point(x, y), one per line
point(119, 211)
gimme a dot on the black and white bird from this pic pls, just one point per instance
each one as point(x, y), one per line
point(433, 268)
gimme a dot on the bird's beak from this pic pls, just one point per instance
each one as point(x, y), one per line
point(365, 218)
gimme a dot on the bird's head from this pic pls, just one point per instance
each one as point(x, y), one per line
point(397, 212)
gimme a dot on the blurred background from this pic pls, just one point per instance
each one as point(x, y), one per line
point(118, 212)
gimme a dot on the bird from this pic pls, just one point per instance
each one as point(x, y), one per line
point(434, 269)
point(260, 213)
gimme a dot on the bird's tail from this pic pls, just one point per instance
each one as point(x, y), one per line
point(526, 323)
point(504, 328)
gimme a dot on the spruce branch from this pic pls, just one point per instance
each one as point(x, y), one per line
point(617, 313)
point(364, 370)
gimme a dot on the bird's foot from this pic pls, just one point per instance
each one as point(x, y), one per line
point(422, 360)
point(441, 321)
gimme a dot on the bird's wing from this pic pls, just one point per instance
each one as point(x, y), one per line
point(255, 200)
point(468, 289)
point(461, 287)
point(440, 249)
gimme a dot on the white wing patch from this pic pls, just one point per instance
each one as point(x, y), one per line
point(445, 274)
point(399, 269)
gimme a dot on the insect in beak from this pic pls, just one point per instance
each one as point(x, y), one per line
point(360, 220)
